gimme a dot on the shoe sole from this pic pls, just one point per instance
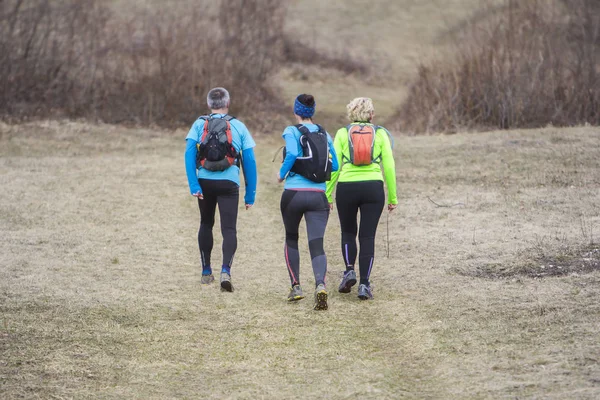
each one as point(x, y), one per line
point(321, 301)
point(226, 286)
point(295, 298)
point(347, 288)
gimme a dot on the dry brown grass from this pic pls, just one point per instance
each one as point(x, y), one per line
point(100, 294)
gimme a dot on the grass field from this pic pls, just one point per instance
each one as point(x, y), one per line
point(491, 292)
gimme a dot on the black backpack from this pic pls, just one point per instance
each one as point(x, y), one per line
point(215, 149)
point(314, 163)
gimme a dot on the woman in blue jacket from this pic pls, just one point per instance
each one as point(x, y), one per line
point(304, 197)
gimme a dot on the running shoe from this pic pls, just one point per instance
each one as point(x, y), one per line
point(321, 297)
point(295, 293)
point(206, 279)
point(365, 292)
point(348, 280)
point(226, 285)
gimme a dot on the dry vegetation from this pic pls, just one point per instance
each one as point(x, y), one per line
point(527, 64)
point(100, 294)
point(152, 65)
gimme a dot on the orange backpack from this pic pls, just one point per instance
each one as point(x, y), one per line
point(361, 139)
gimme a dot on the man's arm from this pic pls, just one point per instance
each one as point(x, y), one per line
point(250, 175)
point(190, 166)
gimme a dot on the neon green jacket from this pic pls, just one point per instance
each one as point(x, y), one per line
point(351, 173)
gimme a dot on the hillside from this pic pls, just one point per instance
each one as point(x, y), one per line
point(391, 37)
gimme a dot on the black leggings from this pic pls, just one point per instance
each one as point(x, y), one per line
point(369, 198)
point(226, 194)
point(313, 206)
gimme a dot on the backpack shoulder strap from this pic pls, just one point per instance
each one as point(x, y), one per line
point(228, 118)
point(303, 130)
point(373, 158)
point(320, 129)
point(389, 135)
point(345, 159)
point(206, 119)
point(377, 127)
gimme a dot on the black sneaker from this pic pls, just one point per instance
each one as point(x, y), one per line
point(348, 280)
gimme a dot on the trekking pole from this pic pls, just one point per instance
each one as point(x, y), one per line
point(387, 225)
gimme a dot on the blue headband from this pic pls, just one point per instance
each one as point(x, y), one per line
point(302, 110)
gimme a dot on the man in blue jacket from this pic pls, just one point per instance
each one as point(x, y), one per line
point(219, 185)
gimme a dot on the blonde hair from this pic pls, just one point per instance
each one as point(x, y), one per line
point(360, 109)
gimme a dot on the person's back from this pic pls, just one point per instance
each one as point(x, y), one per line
point(381, 156)
point(360, 187)
point(217, 146)
point(304, 195)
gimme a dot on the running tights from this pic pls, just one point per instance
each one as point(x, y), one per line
point(313, 206)
point(369, 198)
point(225, 194)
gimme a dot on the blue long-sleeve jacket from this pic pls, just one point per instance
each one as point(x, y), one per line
point(242, 142)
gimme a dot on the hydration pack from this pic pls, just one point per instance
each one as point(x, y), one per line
point(314, 164)
point(361, 141)
point(215, 149)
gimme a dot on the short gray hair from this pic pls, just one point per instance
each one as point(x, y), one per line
point(218, 98)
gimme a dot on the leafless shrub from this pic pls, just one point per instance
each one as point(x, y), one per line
point(529, 64)
point(78, 58)
point(48, 53)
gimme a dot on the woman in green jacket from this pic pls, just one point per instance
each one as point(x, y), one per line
point(362, 149)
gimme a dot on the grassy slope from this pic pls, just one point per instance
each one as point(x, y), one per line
point(100, 294)
point(390, 36)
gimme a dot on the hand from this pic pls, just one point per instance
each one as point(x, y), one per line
point(392, 207)
point(248, 206)
point(279, 178)
point(331, 206)
point(198, 195)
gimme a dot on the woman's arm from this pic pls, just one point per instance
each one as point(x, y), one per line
point(389, 167)
point(337, 150)
point(291, 153)
point(335, 165)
